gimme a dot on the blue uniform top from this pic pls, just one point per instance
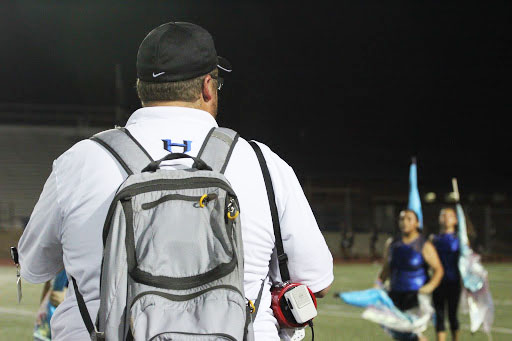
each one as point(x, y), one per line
point(407, 266)
point(61, 281)
point(447, 246)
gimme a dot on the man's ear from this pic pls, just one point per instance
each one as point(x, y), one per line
point(208, 88)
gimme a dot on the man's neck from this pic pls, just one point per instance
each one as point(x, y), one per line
point(194, 105)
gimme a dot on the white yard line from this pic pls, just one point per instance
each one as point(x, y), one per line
point(20, 312)
point(502, 302)
point(348, 314)
point(328, 309)
point(333, 310)
point(496, 329)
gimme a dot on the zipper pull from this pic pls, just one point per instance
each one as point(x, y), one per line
point(233, 212)
point(206, 198)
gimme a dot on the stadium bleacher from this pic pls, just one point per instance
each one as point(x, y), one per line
point(26, 156)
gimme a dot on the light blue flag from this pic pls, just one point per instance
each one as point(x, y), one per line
point(379, 308)
point(472, 272)
point(366, 298)
point(476, 296)
point(414, 194)
point(463, 231)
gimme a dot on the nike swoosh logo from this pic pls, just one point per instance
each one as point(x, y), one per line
point(158, 74)
point(220, 67)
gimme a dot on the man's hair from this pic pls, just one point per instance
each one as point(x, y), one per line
point(184, 91)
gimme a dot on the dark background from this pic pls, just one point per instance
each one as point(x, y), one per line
point(344, 90)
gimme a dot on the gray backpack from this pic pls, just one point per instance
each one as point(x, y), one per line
point(172, 264)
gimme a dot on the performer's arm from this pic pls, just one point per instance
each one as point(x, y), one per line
point(43, 309)
point(432, 258)
point(384, 271)
point(46, 288)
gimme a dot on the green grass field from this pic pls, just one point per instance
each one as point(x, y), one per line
point(336, 320)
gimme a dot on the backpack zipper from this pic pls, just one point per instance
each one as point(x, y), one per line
point(169, 184)
point(169, 197)
point(226, 336)
point(182, 298)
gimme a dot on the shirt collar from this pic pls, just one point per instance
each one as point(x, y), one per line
point(182, 114)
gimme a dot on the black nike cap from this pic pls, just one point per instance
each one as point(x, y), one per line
point(177, 51)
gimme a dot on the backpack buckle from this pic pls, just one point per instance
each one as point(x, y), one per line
point(282, 258)
point(97, 336)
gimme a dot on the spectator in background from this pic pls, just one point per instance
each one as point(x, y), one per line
point(347, 241)
point(373, 243)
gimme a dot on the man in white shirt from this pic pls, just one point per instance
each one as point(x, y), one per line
point(178, 83)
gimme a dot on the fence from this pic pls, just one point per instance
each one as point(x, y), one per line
point(358, 213)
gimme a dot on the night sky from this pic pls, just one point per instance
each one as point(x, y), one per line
point(349, 90)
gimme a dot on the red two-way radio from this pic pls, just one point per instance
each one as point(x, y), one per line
point(293, 304)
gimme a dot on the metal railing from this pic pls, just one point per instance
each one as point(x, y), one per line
point(62, 114)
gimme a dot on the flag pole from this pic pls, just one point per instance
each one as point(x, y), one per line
point(456, 190)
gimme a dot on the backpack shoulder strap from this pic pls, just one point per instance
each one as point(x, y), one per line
point(125, 148)
point(281, 255)
point(218, 147)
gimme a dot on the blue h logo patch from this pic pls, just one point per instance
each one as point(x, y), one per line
point(185, 145)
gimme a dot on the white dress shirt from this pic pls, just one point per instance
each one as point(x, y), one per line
point(65, 228)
